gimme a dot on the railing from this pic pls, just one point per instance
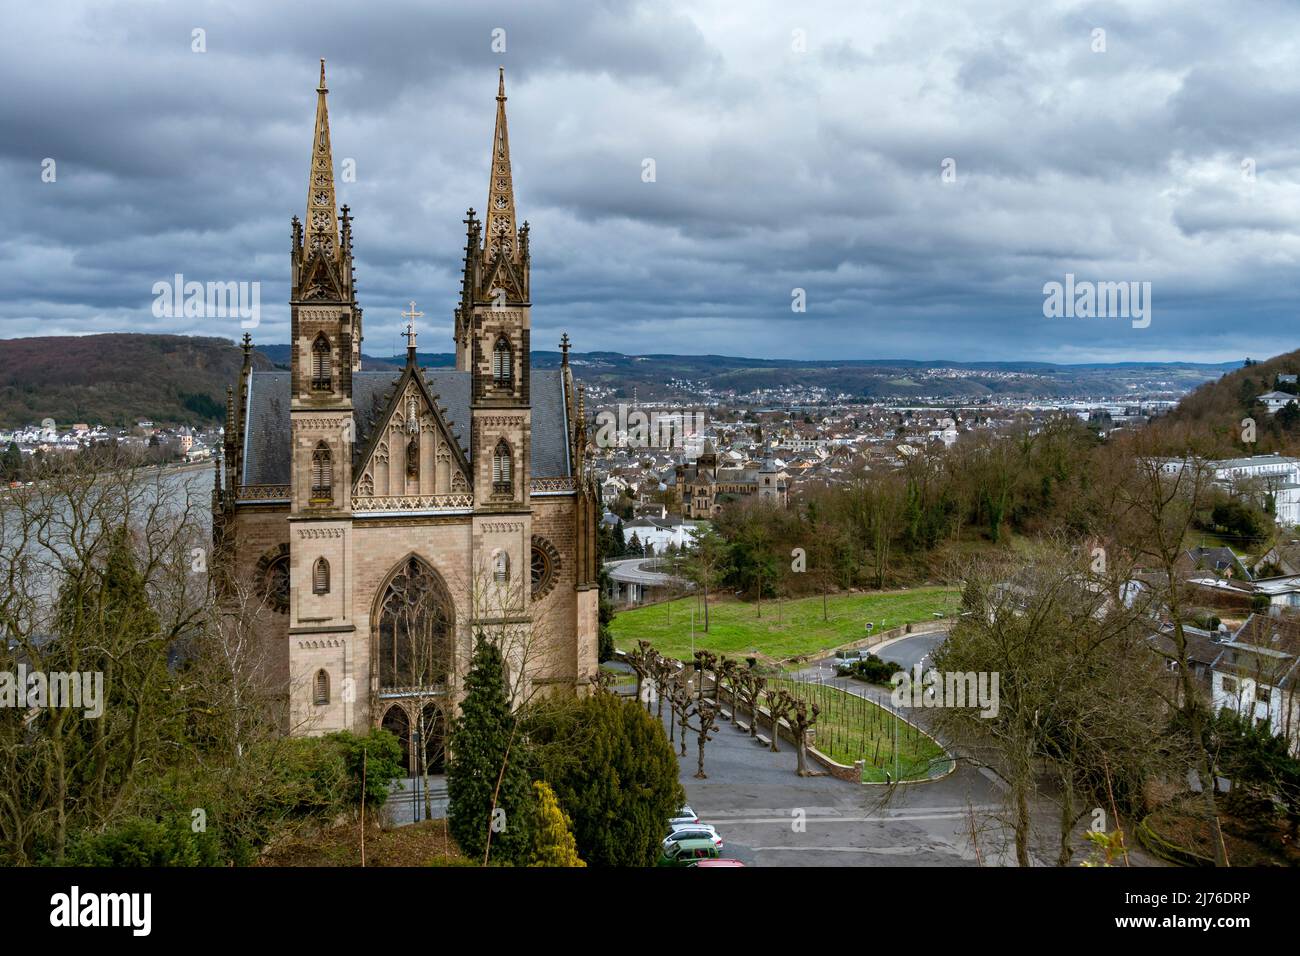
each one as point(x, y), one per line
point(370, 503)
point(427, 690)
point(542, 486)
point(262, 493)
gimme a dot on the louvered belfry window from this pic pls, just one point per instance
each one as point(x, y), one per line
point(321, 365)
point(322, 472)
point(501, 467)
point(321, 689)
point(320, 577)
point(502, 364)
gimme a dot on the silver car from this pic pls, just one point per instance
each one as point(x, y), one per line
point(692, 831)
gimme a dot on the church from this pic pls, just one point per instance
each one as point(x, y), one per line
point(383, 520)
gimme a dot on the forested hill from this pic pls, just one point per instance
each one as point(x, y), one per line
point(117, 379)
point(1216, 410)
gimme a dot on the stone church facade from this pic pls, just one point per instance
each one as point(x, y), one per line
point(703, 488)
point(385, 519)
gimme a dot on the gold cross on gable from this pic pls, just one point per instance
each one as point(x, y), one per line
point(410, 324)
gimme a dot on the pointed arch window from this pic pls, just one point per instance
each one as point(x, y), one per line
point(320, 577)
point(322, 473)
point(322, 365)
point(503, 369)
point(321, 688)
point(501, 468)
point(503, 366)
point(501, 568)
point(415, 629)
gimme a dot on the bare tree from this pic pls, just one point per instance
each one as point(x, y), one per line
point(776, 700)
point(705, 661)
point(1077, 686)
point(705, 723)
point(1156, 502)
point(100, 577)
point(751, 687)
point(801, 718)
point(706, 564)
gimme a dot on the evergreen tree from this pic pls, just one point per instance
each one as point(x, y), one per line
point(553, 843)
point(11, 463)
point(491, 804)
point(614, 771)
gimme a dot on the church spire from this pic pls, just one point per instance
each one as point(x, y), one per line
point(499, 220)
point(322, 223)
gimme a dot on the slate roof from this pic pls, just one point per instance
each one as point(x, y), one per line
point(266, 436)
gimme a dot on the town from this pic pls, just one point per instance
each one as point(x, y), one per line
point(638, 438)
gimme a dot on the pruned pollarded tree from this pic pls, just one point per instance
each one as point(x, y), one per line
point(777, 701)
point(728, 672)
point(801, 717)
point(642, 661)
point(681, 696)
point(662, 671)
point(705, 661)
point(602, 682)
point(705, 714)
point(751, 684)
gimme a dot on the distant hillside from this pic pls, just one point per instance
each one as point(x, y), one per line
point(651, 375)
point(1218, 408)
point(117, 379)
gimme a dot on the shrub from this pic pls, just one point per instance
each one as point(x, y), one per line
point(553, 843)
point(614, 771)
point(873, 670)
point(141, 842)
point(380, 754)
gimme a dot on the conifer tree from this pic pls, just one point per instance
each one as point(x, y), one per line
point(553, 843)
point(491, 804)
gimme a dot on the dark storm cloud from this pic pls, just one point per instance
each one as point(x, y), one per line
point(1171, 157)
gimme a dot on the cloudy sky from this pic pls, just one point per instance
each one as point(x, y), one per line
point(795, 146)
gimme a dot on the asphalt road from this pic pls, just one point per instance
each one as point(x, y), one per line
point(768, 816)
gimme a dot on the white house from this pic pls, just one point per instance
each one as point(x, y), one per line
point(1275, 401)
point(1256, 672)
point(658, 533)
point(1275, 475)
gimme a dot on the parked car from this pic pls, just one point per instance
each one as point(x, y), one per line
point(849, 656)
point(718, 862)
point(692, 831)
point(686, 852)
point(684, 815)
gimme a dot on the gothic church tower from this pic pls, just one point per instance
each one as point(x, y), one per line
point(325, 324)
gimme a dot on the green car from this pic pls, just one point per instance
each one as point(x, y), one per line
point(687, 852)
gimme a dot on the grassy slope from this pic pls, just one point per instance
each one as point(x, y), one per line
point(735, 629)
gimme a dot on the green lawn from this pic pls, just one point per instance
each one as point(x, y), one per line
point(850, 728)
point(797, 628)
